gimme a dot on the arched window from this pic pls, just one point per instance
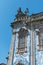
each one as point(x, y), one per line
point(22, 43)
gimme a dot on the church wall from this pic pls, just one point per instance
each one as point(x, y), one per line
point(24, 58)
point(39, 54)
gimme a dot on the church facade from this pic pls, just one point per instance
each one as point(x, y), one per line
point(27, 39)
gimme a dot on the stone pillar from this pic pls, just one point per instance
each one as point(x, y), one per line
point(32, 58)
point(38, 41)
point(11, 53)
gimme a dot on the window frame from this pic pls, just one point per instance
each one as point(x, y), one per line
point(40, 45)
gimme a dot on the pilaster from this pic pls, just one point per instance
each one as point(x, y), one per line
point(11, 53)
point(32, 57)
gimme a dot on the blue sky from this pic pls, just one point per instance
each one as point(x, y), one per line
point(8, 10)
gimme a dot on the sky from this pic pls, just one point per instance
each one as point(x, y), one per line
point(8, 10)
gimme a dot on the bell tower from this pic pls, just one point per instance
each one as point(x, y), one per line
point(19, 50)
point(27, 39)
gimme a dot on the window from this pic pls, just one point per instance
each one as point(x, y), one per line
point(41, 39)
point(22, 47)
point(22, 44)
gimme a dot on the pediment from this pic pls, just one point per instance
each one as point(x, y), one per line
point(23, 32)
